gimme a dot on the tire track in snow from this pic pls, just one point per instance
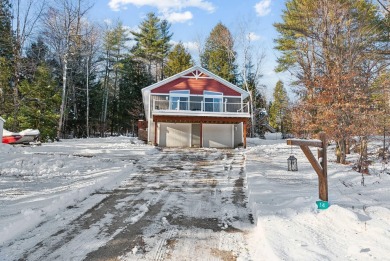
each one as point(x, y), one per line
point(174, 190)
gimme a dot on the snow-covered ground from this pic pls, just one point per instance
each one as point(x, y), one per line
point(290, 227)
point(80, 199)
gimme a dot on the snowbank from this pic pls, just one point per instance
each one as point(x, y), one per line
point(290, 227)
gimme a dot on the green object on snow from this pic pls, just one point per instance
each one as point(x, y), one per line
point(322, 204)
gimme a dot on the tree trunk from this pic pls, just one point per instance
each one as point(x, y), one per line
point(63, 100)
point(363, 164)
point(87, 118)
point(340, 151)
point(105, 96)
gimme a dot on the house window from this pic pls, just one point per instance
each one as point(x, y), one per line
point(213, 101)
point(178, 100)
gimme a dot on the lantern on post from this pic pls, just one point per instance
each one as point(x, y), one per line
point(292, 163)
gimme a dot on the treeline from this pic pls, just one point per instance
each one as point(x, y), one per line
point(339, 53)
point(70, 77)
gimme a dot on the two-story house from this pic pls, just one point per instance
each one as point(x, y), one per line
point(196, 108)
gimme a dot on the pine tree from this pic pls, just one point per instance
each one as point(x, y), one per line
point(279, 108)
point(219, 55)
point(152, 43)
point(332, 48)
point(178, 60)
point(36, 55)
point(165, 37)
point(6, 29)
point(115, 51)
point(38, 108)
point(135, 77)
point(6, 55)
point(5, 90)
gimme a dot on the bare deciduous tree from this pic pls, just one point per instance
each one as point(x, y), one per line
point(26, 16)
point(250, 59)
point(62, 30)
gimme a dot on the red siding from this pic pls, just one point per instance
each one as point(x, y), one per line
point(196, 86)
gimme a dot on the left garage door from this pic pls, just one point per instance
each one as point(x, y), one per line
point(175, 135)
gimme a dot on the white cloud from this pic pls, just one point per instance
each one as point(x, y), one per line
point(163, 5)
point(253, 36)
point(263, 7)
point(192, 47)
point(107, 21)
point(178, 17)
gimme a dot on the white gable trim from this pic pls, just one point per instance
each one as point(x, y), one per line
point(198, 70)
point(1, 119)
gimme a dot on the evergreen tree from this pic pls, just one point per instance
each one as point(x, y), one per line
point(36, 55)
point(6, 54)
point(5, 90)
point(6, 29)
point(332, 47)
point(115, 51)
point(39, 97)
point(279, 109)
point(38, 108)
point(152, 43)
point(178, 60)
point(135, 77)
point(165, 37)
point(219, 55)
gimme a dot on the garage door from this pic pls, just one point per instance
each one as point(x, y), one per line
point(175, 135)
point(218, 136)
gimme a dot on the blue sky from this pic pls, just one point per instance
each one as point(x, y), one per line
point(194, 19)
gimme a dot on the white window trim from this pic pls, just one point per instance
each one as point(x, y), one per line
point(213, 95)
point(210, 94)
point(179, 93)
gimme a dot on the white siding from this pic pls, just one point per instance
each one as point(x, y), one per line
point(238, 136)
point(1, 128)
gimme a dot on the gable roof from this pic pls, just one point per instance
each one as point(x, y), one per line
point(196, 72)
point(1, 119)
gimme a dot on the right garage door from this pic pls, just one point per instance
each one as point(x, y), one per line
point(217, 135)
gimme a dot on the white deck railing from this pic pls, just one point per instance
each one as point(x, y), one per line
point(201, 106)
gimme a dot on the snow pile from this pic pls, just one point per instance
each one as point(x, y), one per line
point(6, 148)
point(290, 227)
point(37, 183)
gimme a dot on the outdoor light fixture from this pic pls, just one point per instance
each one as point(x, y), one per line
point(292, 163)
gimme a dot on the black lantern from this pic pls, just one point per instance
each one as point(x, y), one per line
point(292, 163)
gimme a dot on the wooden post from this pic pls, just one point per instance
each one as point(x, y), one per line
point(244, 133)
point(155, 133)
point(323, 158)
point(321, 166)
point(201, 136)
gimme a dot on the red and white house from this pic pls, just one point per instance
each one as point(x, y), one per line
point(196, 108)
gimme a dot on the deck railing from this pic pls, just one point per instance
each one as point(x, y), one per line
point(201, 106)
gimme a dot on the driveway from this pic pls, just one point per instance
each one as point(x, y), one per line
point(178, 204)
